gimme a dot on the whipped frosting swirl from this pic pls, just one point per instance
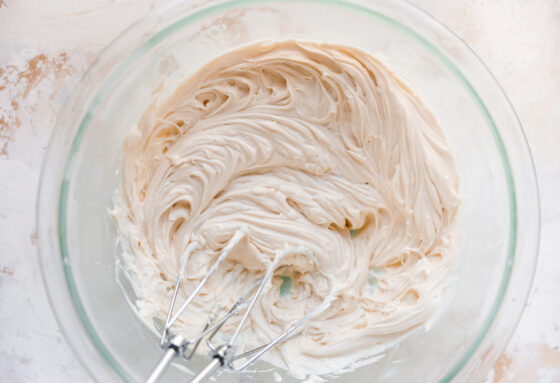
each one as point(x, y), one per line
point(305, 144)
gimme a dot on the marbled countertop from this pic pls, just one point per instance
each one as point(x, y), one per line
point(45, 46)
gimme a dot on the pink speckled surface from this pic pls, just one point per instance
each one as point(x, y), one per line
point(45, 46)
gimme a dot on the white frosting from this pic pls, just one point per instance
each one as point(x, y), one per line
point(299, 142)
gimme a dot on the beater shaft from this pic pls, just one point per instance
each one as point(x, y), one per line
point(174, 349)
point(169, 355)
point(216, 362)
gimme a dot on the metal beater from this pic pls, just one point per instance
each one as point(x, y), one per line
point(224, 355)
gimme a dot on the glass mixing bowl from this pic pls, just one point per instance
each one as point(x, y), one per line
point(498, 221)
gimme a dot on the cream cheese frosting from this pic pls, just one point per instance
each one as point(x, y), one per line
point(303, 144)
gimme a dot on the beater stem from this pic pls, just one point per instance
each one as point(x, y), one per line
point(175, 348)
point(169, 355)
point(217, 362)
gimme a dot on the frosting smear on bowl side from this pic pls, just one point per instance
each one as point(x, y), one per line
point(304, 144)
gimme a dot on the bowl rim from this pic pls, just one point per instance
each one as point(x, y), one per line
point(124, 63)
